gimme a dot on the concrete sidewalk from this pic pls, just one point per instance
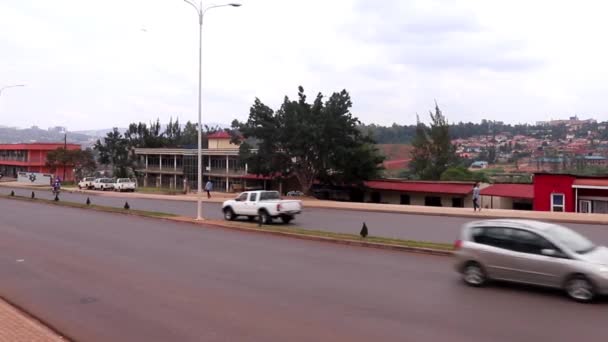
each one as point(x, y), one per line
point(308, 202)
point(16, 326)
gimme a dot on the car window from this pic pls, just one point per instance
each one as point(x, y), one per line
point(269, 195)
point(242, 197)
point(493, 236)
point(570, 239)
point(253, 197)
point(528, 242)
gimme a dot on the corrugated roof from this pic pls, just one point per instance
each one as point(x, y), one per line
point(509, 190)
point(437, 187)
point(219, 135)
point(589, 182)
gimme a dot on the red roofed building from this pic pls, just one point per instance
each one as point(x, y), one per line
point(426, 193)
point(15, 158)
point(508, 196)
point(570, 193)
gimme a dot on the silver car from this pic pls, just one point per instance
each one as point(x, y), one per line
point(532, 252)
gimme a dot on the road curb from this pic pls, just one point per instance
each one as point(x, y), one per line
point(348, 242)
point(37, 319)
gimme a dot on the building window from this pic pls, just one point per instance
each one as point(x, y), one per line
point(432, 201)
point(457, 202)
point(585, 206)
point(376, 197)
point(405, 199)
point(557, 202)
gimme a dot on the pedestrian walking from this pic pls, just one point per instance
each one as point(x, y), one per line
point(209, 188)
point(476, 204)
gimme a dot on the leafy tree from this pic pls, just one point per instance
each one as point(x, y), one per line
point(462, 174)
point(115, 151)
point(312, 141)
point(58, 158)
point(433, 152)
point(82, 161)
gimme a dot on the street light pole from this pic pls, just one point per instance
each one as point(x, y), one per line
point(11, 86)
point(200, 10)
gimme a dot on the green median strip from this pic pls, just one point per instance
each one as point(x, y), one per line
point(270, 228)
point(92, 206)
point(349, 237)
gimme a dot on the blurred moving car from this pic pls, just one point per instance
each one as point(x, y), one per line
point(103, 184)
point(532, 252)
point(124, 184)
point(86, 183)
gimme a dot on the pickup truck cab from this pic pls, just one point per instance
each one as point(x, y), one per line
point(124, 184)
point(103, 184)
point(267, 205)
point(86, 183)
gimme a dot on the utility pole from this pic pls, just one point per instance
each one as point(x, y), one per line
point(65, 153)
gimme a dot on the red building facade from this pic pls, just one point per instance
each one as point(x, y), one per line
point(15, 158)
point(570, 193)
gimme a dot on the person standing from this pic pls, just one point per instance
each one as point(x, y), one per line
point(476, 204)
point(209, 188)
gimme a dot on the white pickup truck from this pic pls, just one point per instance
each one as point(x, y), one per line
point(86, 183)
point(124, 184)
point(267, 205)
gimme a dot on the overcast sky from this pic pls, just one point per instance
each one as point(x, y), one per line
point(98, 64)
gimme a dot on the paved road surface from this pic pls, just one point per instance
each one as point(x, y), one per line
point(107, 277)
point(395, 225)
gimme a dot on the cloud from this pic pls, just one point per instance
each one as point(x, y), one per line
point(83, 64)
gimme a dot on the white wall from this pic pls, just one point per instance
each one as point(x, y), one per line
point(34, 178)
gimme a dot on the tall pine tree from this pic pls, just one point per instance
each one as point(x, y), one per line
point(433, 152)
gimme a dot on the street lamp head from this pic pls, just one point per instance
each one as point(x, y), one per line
point(235, 4)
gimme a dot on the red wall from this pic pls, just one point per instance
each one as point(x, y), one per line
point(546, 184)
point(37, 157)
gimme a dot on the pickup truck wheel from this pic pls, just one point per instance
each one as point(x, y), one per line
point(229, 214)
point(250, 218)
point(286, 219)
point(266, 219)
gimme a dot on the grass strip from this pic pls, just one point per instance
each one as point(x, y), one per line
point(350, 237)
point(92, 207)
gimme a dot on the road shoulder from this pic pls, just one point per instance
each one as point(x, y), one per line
point(17, 326)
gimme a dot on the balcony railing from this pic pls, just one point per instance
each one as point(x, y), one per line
point(180, 171)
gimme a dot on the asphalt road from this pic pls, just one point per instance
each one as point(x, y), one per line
point(108, 277)
point(393, 225)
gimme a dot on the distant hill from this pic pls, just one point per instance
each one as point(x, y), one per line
point(11, 135)
point(98, 133)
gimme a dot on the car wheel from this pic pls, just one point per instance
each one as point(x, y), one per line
point(286, 219)
point(580, 289)
point(473, 274)
point(250, 218)
point(229, 214)
point(265, 218)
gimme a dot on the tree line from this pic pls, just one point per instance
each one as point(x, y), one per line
point(117, 149)
point(405, 134)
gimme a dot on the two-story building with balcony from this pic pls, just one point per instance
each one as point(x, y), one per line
point(177, 168)
point(15, 158)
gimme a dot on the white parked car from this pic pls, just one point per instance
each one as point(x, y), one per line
point(103, 184)
point(267, 205)
point(86, 183)
point(124, 184)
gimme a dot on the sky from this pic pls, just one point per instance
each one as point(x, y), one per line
point(94, 65)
